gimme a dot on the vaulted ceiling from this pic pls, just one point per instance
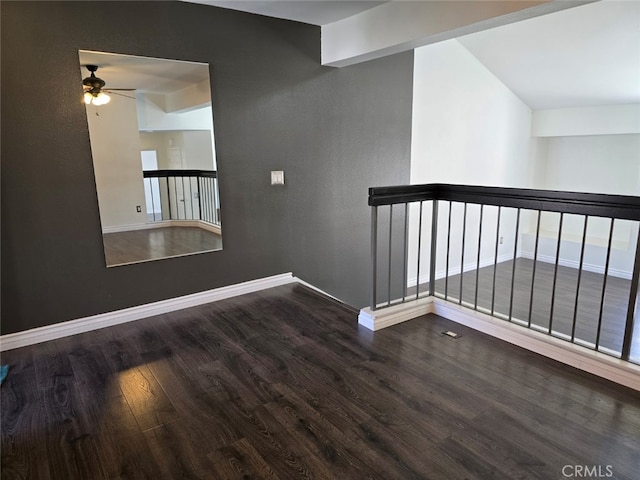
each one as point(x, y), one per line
point(588, 54)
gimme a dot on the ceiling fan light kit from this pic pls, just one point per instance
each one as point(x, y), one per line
point(93, 88)
point(93, 94)
point(96, 99)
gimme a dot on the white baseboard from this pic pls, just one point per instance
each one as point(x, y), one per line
point(95, 322)
point(164, 223)
point(385, 317)
point(128, 228)
point(588, 267)
point(312, 287)
point(600, 364)
point(411, 282)
point(468, 267)
point(217, 229)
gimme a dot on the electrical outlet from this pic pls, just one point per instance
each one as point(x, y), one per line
point(138, 209)
point(501, 240)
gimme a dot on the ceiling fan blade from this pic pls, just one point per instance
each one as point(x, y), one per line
point(120, 89)
point(121, 95)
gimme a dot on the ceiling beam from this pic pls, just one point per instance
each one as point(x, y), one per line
point(398, 26)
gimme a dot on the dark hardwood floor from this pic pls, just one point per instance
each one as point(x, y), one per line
point(283, 384)
point(153, 243)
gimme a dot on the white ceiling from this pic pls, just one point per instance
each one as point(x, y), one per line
point(586, 55)
point(582, 56)
point(149, 75)
point(314, 12)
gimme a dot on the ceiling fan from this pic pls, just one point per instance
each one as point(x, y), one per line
point(94, 91)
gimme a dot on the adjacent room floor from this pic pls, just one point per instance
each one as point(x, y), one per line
point(476, 288)
point(284, 384)
point(153, 243)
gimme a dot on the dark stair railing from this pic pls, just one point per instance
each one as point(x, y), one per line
point(183, 195)
point(412, 222)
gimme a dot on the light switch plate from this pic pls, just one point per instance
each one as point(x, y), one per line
point(277, 177)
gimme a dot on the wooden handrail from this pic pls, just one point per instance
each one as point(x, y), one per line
point(179, 173)
point(625, 207)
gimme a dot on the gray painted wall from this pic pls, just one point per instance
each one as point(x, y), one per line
point(334, 132)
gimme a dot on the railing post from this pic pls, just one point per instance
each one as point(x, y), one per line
point(513, 269)
point(169, 197)
point(604, 282)
point(153, 207)
point(207, 195)
point(216, 200)
point(374, 255)
point(198, 178)
point(446, 263)
point(406, 251)
point(495, 263)
point(390, 255)
point(434, 241)
point(577, 302)
point(464, 235)
point(555, 274)
point(475, 300)
point(419, 252)
point(533, 268)
point(631, 309)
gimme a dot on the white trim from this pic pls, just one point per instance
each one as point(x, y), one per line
point(600, 364)
point(128, 228)
point(95, 322)
point(198, 223)
point(596, 363)
point(411, 282)
point(164, 223)
point(624, 373)
point(614, 272)
point(135, 226)
point(385, 317)
point(468, 267)
point(308, 285)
